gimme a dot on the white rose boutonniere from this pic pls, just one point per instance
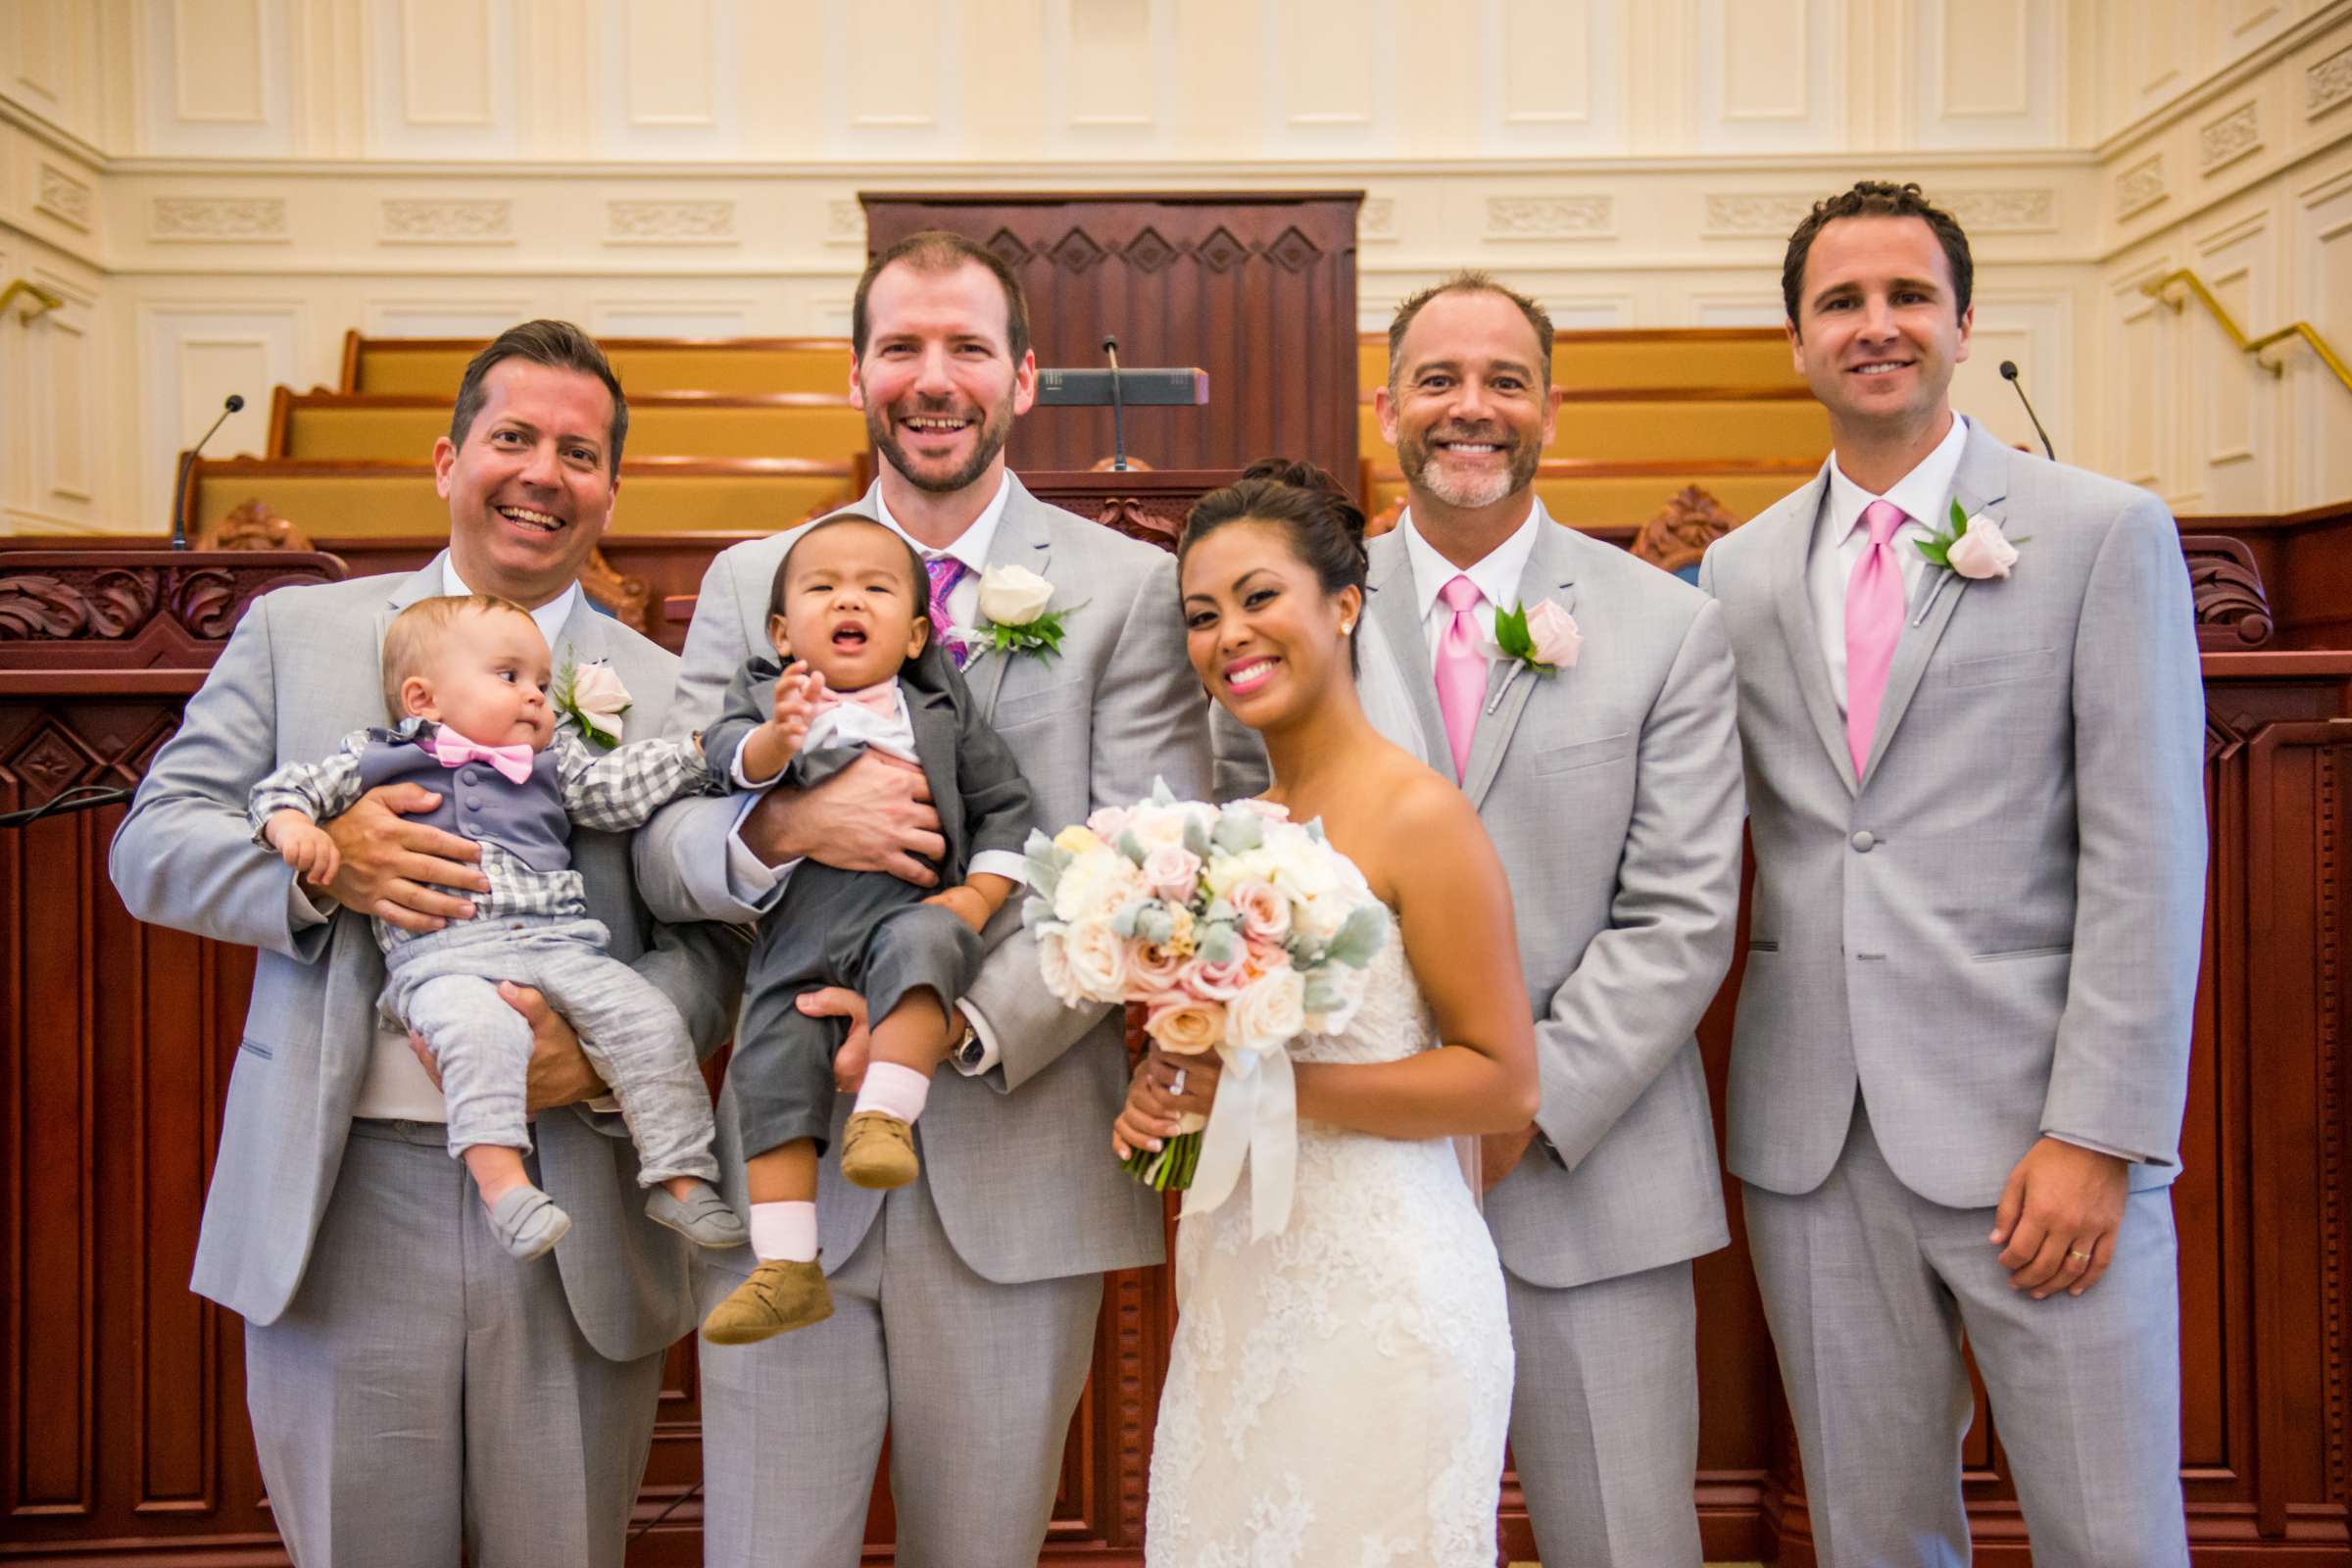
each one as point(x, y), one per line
point(592, 696)
point(1543, 638)
point(1015, 601)
point(1975, 549)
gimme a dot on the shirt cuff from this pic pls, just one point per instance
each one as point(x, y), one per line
point(752, 881)
point(978, 1055)
point(304, 909)
point(1005, 864)
point(743, 780)
point(2097, 1148)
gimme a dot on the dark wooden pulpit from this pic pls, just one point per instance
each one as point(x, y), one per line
point(1256, 287)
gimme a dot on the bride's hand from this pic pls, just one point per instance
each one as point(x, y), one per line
point(1162, 1090)
point(1500, 1154)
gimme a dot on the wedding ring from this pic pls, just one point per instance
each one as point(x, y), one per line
point(2081, 1258)
point(1176, 1084)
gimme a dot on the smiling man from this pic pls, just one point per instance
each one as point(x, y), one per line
point(415, 1390)
point(1961, 1050)
point(965, 1302)
point(1610, 785)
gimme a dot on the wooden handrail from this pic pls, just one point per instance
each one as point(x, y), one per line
point(2160, 288)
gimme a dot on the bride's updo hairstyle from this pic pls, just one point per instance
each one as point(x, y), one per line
point(1324, 524)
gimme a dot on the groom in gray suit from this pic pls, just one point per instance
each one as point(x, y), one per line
point(414, 1389)
point(1610, 786)
point(1975, 771)
point(964, 1304)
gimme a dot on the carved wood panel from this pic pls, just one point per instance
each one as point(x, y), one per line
point(123, 1432)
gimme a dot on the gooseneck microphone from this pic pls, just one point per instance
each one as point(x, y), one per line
point(187, 459)
point(1118, 408)
point(2009, 374)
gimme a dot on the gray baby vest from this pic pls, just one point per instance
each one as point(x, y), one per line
point(527, 819)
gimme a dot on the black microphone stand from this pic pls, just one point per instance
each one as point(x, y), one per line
point(1118, 408)
point(2009, 374)
point(187, 460)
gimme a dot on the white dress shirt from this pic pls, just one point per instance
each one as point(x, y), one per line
point(1839, 540)
point(397, 1086)
point(1497, 574)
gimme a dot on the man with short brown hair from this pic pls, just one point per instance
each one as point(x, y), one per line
point(965, 1302)
point(1975, 728)
point(416, 1391)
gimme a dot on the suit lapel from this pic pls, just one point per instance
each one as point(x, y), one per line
point(1393, 614)
point(1022, 539)
point(1549, 573)
point(1799, 630)
point(1982, 485)
point(932, 716)
point(427, 582)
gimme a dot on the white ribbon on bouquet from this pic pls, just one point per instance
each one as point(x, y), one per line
point(1255, 1117)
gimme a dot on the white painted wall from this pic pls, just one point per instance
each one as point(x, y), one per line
point(221, 187)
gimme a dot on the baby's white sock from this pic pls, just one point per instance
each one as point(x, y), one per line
point(893, 1090)
point(784, 1232)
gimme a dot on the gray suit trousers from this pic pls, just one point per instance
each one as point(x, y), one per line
point(919, 1344)
point(1605, 1418)
point(1870, 1288)
point(424, 1390)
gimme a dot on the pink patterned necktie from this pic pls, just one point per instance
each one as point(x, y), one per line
point(946, 573)
point(1461, 667)
point(1874, 623)
point(451, 750)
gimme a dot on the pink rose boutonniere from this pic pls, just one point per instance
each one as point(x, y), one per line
point(592, 696)
point(1542, 637)
point(1976, 549)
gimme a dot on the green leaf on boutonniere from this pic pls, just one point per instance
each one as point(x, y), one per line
point(1513, 640)
point(1041, 637)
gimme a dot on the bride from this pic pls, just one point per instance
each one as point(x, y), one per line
point(1338, 1392)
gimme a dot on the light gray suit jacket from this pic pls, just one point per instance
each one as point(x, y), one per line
point(1024, 1182)
point(1994, 931)
point(298, 675)
point(1611, 791)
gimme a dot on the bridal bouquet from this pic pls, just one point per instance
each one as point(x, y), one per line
point(1238, 931)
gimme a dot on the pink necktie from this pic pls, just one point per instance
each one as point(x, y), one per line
point(1874, 623)
point(1461, 670)
point(946, 573)
point(451, 748)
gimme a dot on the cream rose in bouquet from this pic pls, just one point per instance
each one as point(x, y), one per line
point(1236, 929)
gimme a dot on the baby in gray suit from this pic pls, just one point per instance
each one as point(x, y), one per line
point(856, 670)
point(467, 682)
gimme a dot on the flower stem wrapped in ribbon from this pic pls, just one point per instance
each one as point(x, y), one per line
point(1239, 931)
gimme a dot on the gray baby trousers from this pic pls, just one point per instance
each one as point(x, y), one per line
point(445, 986)
point(865, 930)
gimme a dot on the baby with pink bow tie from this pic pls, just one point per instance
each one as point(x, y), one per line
point(466, 682)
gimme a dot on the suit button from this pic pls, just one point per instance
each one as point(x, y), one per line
point(1863, 842)
point(471, 775)
point(474, 803)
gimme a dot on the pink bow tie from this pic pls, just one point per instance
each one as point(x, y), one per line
point(880, 698)
point(451, 748)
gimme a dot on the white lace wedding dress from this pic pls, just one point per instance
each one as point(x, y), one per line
point(1338, 1392)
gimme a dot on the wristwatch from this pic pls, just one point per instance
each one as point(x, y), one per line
point(968, 1050)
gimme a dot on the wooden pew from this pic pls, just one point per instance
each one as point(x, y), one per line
point(1753, 358)
point(1666, 425)
point(432, 366)
point(320, 425)
point(658, 495)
